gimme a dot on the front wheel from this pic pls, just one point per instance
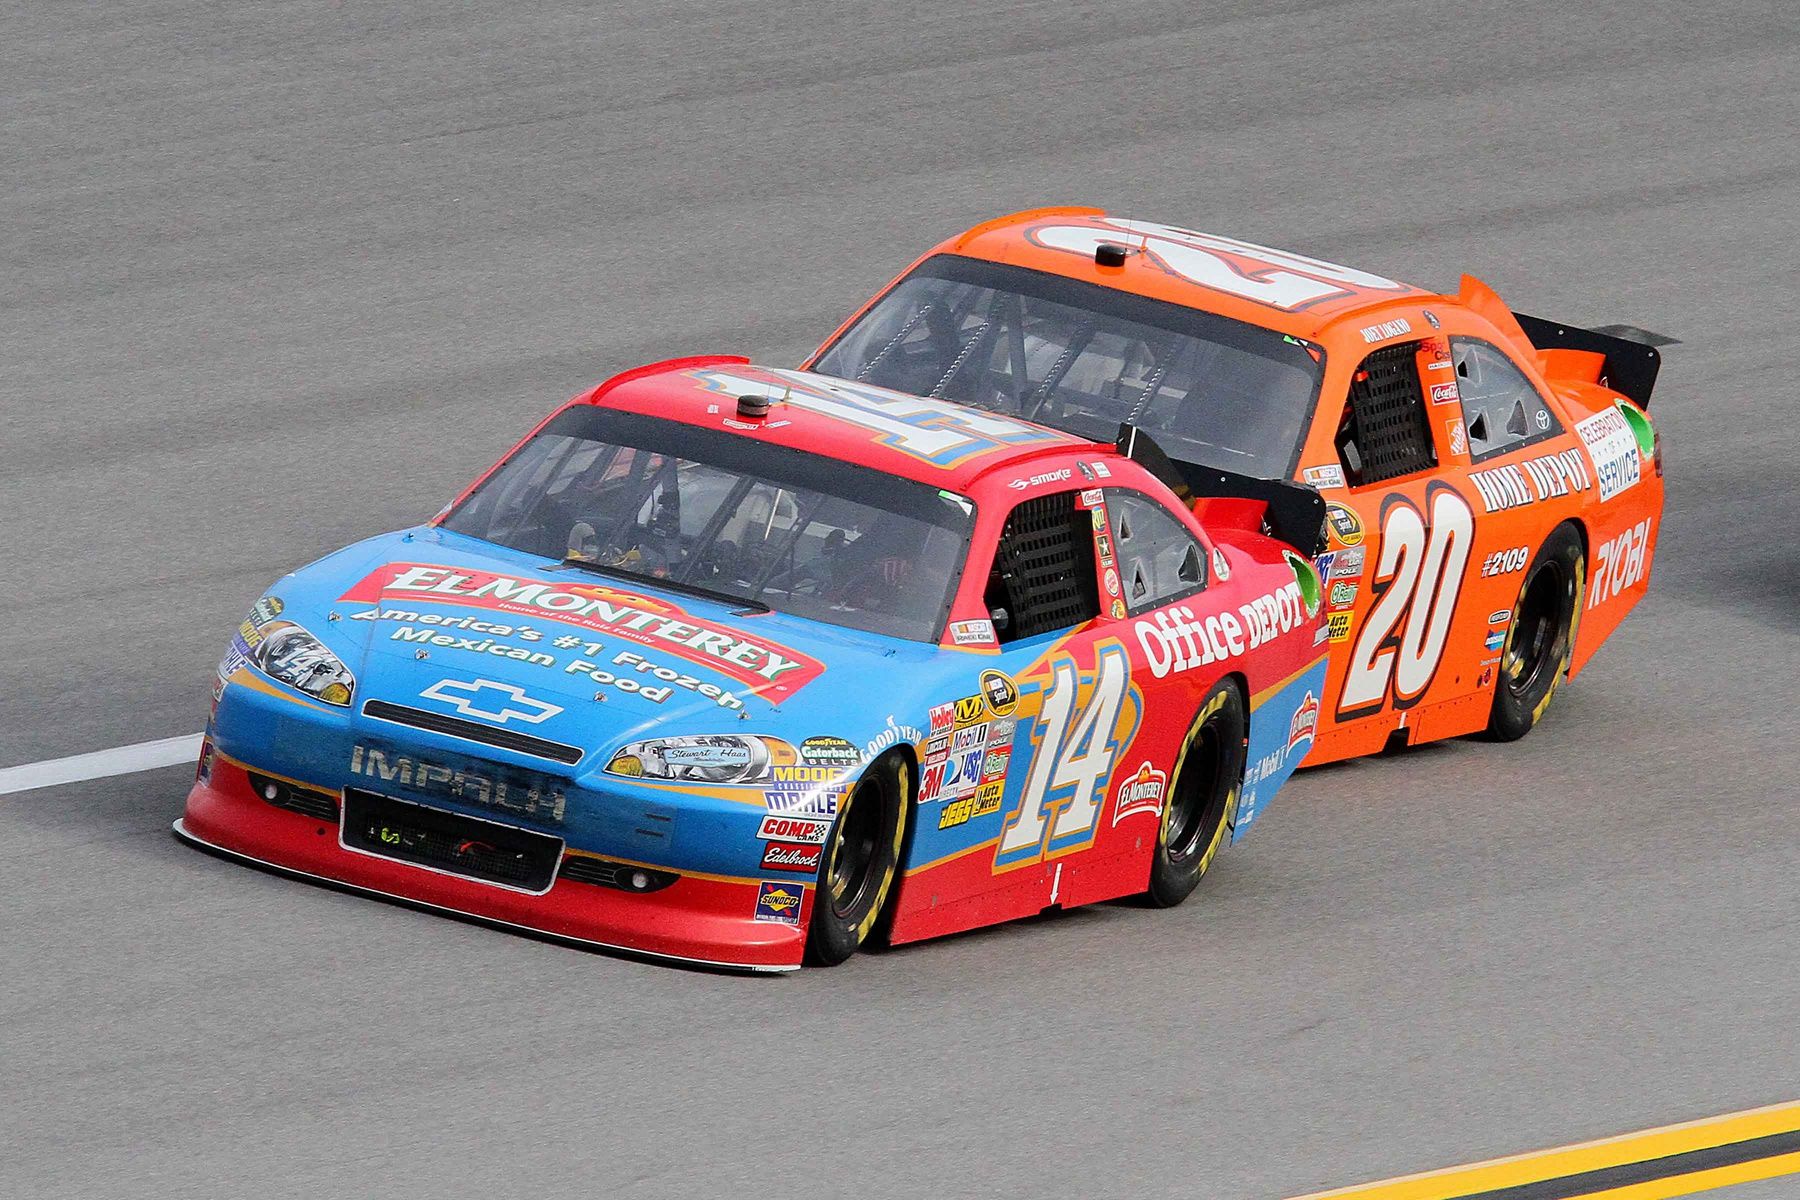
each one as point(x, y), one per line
point(1541, 638)
point(861, 860)
point(1202, 796)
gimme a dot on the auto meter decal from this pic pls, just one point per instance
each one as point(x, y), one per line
point(766, 667)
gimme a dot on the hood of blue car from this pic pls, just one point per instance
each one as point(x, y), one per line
point(446, 632)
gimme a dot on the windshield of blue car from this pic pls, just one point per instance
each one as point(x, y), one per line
point(708, 511)
point(1086, 358)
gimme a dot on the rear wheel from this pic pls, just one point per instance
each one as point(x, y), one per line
point(1202, 797)
point(861, 860)
point(1541, 638)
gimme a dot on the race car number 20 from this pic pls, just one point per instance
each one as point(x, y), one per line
point(1418, 575)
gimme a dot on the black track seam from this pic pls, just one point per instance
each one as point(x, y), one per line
point(1567, 1187)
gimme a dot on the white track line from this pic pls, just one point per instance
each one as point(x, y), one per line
point(120, 760)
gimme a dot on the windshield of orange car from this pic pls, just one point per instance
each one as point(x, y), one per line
point(706, 511)
point(1085, 358)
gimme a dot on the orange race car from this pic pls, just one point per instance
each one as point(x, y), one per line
point(1492, 481)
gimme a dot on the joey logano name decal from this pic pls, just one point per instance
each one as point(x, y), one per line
point(765, 667)
point(1176, 640)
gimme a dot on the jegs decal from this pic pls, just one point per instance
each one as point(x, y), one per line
point(1416, 580)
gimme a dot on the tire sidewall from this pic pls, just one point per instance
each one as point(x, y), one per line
point(1515, 716)
point(832, 938)
point(1173, 879)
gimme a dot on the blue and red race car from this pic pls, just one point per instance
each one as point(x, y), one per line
point(748, 667)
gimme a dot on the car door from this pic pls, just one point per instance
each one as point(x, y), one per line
point(1400, 535)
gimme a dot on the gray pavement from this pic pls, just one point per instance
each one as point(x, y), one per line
point(278, 276)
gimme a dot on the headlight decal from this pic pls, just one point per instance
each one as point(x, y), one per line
point(289, 654)
point(704, 758)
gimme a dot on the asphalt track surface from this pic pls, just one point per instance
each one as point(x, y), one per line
point(279, 276)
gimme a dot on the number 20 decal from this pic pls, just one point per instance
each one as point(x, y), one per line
point(1416, 581)
point(1065, 789)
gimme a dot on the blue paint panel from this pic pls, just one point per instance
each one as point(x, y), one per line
point(1281, 734)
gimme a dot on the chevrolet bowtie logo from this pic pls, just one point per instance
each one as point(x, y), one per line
point(489, 700)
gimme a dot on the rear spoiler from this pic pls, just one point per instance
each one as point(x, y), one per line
point(1622, 358)
point(1293, 512)
point(1631, 365)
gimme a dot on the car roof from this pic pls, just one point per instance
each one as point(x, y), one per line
point(1277, 289)
point(914, 437)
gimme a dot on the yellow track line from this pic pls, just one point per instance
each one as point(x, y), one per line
point(1562, 1162)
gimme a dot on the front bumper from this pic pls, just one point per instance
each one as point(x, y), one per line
point(705, 920)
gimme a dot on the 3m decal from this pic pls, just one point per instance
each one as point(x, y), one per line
point(932, 431)
point(1614, 450)
point(1535, 479)
point(1276, 278)
point(1620, 564)
point(767, 667)
point(1417, 577)
point(1076, 737)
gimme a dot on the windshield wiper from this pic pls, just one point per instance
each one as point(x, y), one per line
point(739, 603)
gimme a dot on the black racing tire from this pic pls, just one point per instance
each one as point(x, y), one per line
point(1202, 797)
point(1541, 636)
point(861, 862)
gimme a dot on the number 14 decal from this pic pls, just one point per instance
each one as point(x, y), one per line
point(1417, 577)
point(1072, 760)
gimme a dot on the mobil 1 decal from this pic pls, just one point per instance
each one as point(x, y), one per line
point(1084, 718)
point(1416, 577)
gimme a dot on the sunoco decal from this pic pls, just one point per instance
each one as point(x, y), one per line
point(771, 669)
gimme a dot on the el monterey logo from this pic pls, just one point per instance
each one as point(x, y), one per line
point(1141, 793)
point(766, 667)
point(1305, 722)
point(490, 701)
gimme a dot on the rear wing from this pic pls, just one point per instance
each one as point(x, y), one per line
point(1630, 367)
point(1291, 512)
